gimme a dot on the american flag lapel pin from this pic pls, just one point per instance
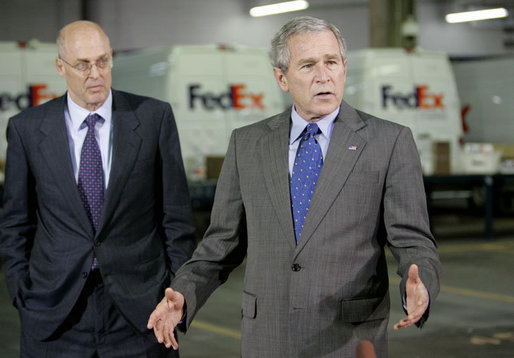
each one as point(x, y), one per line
point(352, 147)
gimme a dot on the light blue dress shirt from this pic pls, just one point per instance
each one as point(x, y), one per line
point(326, 125)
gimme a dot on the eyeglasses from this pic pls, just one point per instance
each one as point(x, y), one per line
point(85, 67)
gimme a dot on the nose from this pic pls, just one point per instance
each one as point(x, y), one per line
point(94, 71)
point(322, 74)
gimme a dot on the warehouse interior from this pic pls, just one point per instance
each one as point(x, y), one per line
point(470, 197)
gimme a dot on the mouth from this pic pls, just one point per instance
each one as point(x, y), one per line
point(324, 94)
point(95, 87)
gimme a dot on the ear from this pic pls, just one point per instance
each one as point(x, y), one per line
point(281, 79)
point(60, 67)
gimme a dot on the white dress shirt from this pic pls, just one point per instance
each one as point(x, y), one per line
point(77, 129)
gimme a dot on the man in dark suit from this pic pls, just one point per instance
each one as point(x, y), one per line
point(311, 197)
point(96, 217)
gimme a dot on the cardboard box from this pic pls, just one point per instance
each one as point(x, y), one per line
point(441, 156)
point(213, 164)
point(507, 150)
point(480, 158)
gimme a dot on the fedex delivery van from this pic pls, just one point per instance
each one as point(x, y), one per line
point(28, 77)
point(212, 89)
point(415, 89)
point(486, 88)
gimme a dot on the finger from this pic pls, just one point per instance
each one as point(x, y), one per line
point(167, 340)
point(399, 325)
point(152, 319)
point(169, 337)
point(157, 312)
point(404, 323)
point(417, 313)
point(411, 319)
point(173, 340)
point(165, 329)
point(157, 330)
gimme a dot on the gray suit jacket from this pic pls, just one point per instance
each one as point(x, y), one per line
point(47, 241)
point(321, 297)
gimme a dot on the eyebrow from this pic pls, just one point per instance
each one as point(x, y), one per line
point(315, 59)
point(306, 60)
point(333, 56)
point(98, 58)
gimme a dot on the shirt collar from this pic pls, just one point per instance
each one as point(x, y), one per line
point(78, 114)
point(325, 124)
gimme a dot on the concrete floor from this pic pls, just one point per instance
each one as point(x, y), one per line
point(472, 317)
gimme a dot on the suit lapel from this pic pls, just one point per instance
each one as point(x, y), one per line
point(344, 150)
point(274, 149)
point(125, 146)
point(54, 147)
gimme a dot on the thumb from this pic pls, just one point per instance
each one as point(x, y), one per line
point(413, 273)
point(169, 293)
point(170, 296)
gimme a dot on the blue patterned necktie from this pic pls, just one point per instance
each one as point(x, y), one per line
point(306, 170)
point(91, 174)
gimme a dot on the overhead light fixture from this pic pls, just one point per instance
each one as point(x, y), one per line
point(278, 8)
point(477, 15)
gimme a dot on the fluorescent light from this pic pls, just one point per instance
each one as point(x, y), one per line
point(477, 15)
point(278, 8)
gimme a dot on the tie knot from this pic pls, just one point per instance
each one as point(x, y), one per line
point(311, 129)
point(91, 120)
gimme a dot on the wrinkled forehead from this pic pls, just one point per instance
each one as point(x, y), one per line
point(86, 42)
point(313, 44)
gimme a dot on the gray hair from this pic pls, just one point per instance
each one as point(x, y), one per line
point(280, 55)
point(61, 43)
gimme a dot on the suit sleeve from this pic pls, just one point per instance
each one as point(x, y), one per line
point(406, 217)
point(223, 247)
point(177, 222)
point(19, 213)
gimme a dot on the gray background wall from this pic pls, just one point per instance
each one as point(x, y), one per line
point(138, 24)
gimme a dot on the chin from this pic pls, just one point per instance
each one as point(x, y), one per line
point(327, 109)
point(97, 99)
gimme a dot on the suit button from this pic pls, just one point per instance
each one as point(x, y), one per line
point(296, 267)
point(97, 243)
point(84, 275)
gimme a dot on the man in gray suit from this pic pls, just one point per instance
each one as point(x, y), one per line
point(317, 289)
point(96, 216)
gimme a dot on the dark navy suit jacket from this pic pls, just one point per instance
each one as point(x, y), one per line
point(47, 241)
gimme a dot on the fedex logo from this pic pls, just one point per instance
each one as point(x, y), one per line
point(421, 97)
point(236, 97)
point(35, 95)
